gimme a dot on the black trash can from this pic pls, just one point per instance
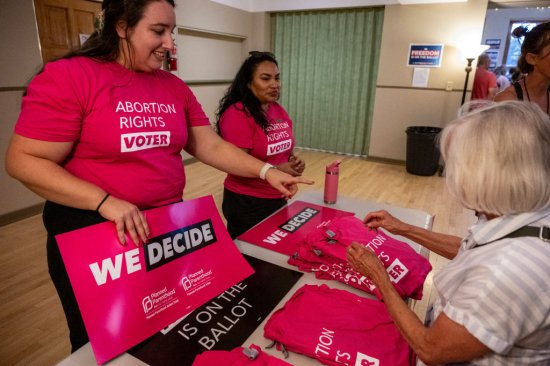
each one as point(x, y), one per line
point(422, 152)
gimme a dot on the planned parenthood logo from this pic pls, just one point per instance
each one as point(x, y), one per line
point(159, 301)
point(197, 281)
point(186, 283)
point(147, 304)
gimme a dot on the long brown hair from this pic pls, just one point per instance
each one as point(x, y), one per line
point(239, 90)
point(535, 40)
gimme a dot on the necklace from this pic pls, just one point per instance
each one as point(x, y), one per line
point(547, 95)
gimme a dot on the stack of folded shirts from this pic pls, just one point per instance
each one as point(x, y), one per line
point(323, 252)
point(336, 327)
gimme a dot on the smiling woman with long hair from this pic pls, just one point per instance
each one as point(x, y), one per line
point(250, 118)
point(101, 132)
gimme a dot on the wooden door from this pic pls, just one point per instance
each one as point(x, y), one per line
point(61, 23)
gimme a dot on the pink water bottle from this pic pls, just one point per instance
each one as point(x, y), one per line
point(331, 182)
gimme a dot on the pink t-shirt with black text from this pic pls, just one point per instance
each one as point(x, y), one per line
point(273, 146)
point(128, 128)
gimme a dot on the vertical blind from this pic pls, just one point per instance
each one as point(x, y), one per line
point(329, 64)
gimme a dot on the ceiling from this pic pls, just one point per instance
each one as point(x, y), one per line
point(283, 5)
point(518, 3)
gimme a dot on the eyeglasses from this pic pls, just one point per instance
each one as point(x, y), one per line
point(261, 54)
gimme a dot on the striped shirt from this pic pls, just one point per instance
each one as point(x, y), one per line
point(499, 290)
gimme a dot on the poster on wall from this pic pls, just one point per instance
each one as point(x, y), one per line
point(421, 76)
point(493, 51)
point(493, 57)
point(128, 293)
point(425, 55)
point(493, 43)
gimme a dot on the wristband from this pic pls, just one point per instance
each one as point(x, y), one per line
point(264, 170)
point(102, 202)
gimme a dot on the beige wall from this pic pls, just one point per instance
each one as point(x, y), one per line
point(397, 105)
point(207, 15)
point(212, 17)
point(19, 60)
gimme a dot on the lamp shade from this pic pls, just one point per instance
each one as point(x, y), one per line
point(472, 50)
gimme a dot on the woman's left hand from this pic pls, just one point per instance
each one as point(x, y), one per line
point(284, 182)
point(297, 164)
point(294, 166)
point(366, 262)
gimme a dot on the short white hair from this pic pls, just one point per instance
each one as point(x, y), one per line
point(497, 158)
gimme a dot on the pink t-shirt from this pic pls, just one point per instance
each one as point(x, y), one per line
point(326, 256)
point(128, 128)
point(237, 357)
point(273, 146)
point(483, 81)
point(337, 327)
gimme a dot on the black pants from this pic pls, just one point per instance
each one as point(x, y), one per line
point(59, 219)
point(242, 211)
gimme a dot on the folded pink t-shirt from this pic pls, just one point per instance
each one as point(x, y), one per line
point(325, 250)
point(251, 356)
point(337, 327)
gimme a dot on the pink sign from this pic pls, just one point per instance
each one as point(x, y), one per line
point(127, 293)
point(283, 230)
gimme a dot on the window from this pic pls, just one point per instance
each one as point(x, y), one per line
point(514, 44)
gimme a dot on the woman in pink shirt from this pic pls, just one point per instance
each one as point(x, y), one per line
point(101, 132)
point(250, 118)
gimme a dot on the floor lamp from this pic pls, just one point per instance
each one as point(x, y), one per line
point(470, 53)
point(468, 69)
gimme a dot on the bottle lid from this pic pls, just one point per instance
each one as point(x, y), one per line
point(334, 167)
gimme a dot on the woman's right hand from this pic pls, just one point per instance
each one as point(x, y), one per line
point(284, 182)
point(366, 262)
point(383, 219)
point(127, 218)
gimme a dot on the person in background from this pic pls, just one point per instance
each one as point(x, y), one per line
point(250, 118)
point(502, 80)
point(494, 294)
point(101, 131)
point(485, 82)
point(534, 62)
point(515, 75)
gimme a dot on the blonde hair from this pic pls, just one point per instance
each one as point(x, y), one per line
point(497, 158)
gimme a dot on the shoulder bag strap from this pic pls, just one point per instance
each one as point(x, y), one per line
point(519, 91)
point(541, 232)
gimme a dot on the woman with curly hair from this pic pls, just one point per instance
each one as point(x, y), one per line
point(250, 118)
point(534, 63)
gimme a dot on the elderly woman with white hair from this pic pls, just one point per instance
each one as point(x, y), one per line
point(494, 295)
